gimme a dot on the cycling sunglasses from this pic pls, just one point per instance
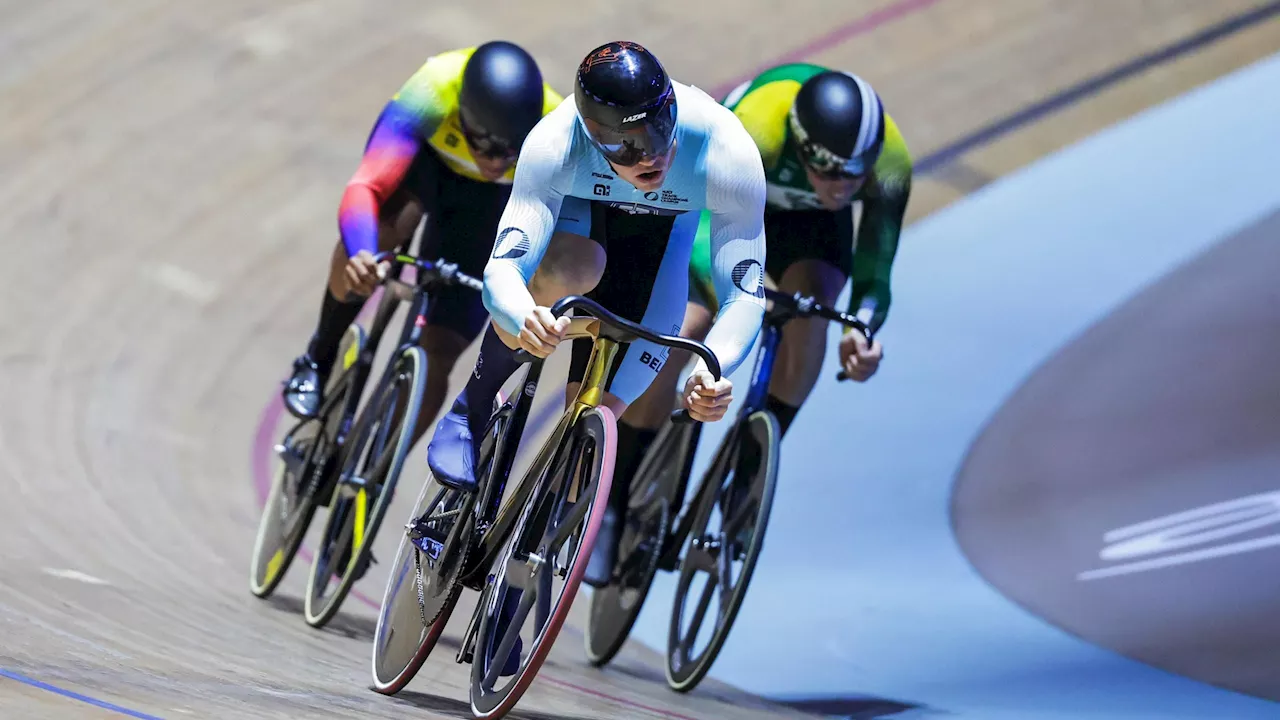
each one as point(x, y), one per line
point(482, 142)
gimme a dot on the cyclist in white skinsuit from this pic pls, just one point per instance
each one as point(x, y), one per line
point(606, 202)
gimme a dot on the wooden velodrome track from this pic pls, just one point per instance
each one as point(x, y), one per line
point(169, 174)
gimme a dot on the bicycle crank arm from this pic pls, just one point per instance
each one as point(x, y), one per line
point(353, 484)
point(290, 457)
point(466, 649)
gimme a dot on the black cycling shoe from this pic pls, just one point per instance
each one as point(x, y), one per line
point(304, 390)
point(341, 566)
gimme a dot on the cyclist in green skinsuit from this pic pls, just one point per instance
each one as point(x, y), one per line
point(829, 149)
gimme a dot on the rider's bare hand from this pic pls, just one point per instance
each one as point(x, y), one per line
point(706, 398)
point(363, 274)
point(541, 332)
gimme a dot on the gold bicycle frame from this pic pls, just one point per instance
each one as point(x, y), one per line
point(590, 394)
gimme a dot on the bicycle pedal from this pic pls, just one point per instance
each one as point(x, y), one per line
point(291, 458)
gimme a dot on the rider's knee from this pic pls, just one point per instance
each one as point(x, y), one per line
point(397, 227)
point(697, 322)
point(572, 265)
point(817, 278)
point(443, 346)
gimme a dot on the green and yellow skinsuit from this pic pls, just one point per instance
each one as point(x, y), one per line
point(763, 105)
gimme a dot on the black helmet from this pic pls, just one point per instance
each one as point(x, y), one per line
point(501, 98)
point(838, 123)
point(626, 102)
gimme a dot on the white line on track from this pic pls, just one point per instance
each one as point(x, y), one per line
point(184, 282)
point(74, 575)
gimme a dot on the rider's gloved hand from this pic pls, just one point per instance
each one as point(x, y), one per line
point(706, 398)
point(858, 359)
point(363, 274)
point(541, 332)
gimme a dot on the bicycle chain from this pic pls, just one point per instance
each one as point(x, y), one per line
point(420, 583)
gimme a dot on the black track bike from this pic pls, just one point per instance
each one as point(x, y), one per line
point(525, 553)
point(348, 460)
point(716, 540)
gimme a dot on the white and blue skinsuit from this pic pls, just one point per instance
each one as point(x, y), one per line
point(716, 167)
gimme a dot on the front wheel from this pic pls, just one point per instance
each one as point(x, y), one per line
point(549, 546)
point(724, 544)
point(373, 456)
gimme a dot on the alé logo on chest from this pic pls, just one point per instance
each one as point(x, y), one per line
point(608, 186)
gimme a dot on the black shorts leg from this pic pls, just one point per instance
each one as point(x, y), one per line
point(795, 235)
point(642, 282)
point(461, 227)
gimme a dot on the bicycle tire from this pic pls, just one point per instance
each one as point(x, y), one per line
point(410, 362)
point(600, 426)
point(684, 671)
point(268, 569)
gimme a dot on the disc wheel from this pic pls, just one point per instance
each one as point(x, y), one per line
point(614, 609)
point(425, 578)
point(423, 586)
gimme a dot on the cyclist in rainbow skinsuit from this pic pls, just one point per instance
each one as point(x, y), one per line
point(827, 144)
point(444, 146)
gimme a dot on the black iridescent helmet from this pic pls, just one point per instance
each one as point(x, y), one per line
point(626, 103)
point(838, 124)
point(501, 98)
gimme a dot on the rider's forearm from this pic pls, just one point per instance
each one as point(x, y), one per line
point(506, 295)
point(390, 152)
point(734, 333)
point(877, 245)
point(527, 223)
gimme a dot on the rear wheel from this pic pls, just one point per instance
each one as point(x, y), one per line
point(426, 576)
point(652, 504)
point(423, 586)
point(541, 567)
point(724, 544)
point(305, 459)
point(372, 458)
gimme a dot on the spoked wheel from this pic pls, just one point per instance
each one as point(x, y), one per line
point(542, 565)
point(305, 458)
point(372, 458)
point(425, 579)
point(614, 609)
point(724, 544)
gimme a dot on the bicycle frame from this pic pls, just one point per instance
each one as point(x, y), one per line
point(496, 523)
point(784, 310)
point(357, 372)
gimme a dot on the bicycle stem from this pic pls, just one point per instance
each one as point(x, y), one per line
point(591, 393)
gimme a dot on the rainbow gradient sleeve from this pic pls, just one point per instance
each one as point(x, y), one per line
point(408, 119)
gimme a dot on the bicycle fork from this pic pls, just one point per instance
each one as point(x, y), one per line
point(757, 392)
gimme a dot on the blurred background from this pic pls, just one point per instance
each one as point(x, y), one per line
point(1057, 499)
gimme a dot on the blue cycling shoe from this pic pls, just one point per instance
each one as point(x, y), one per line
point(451, 454)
